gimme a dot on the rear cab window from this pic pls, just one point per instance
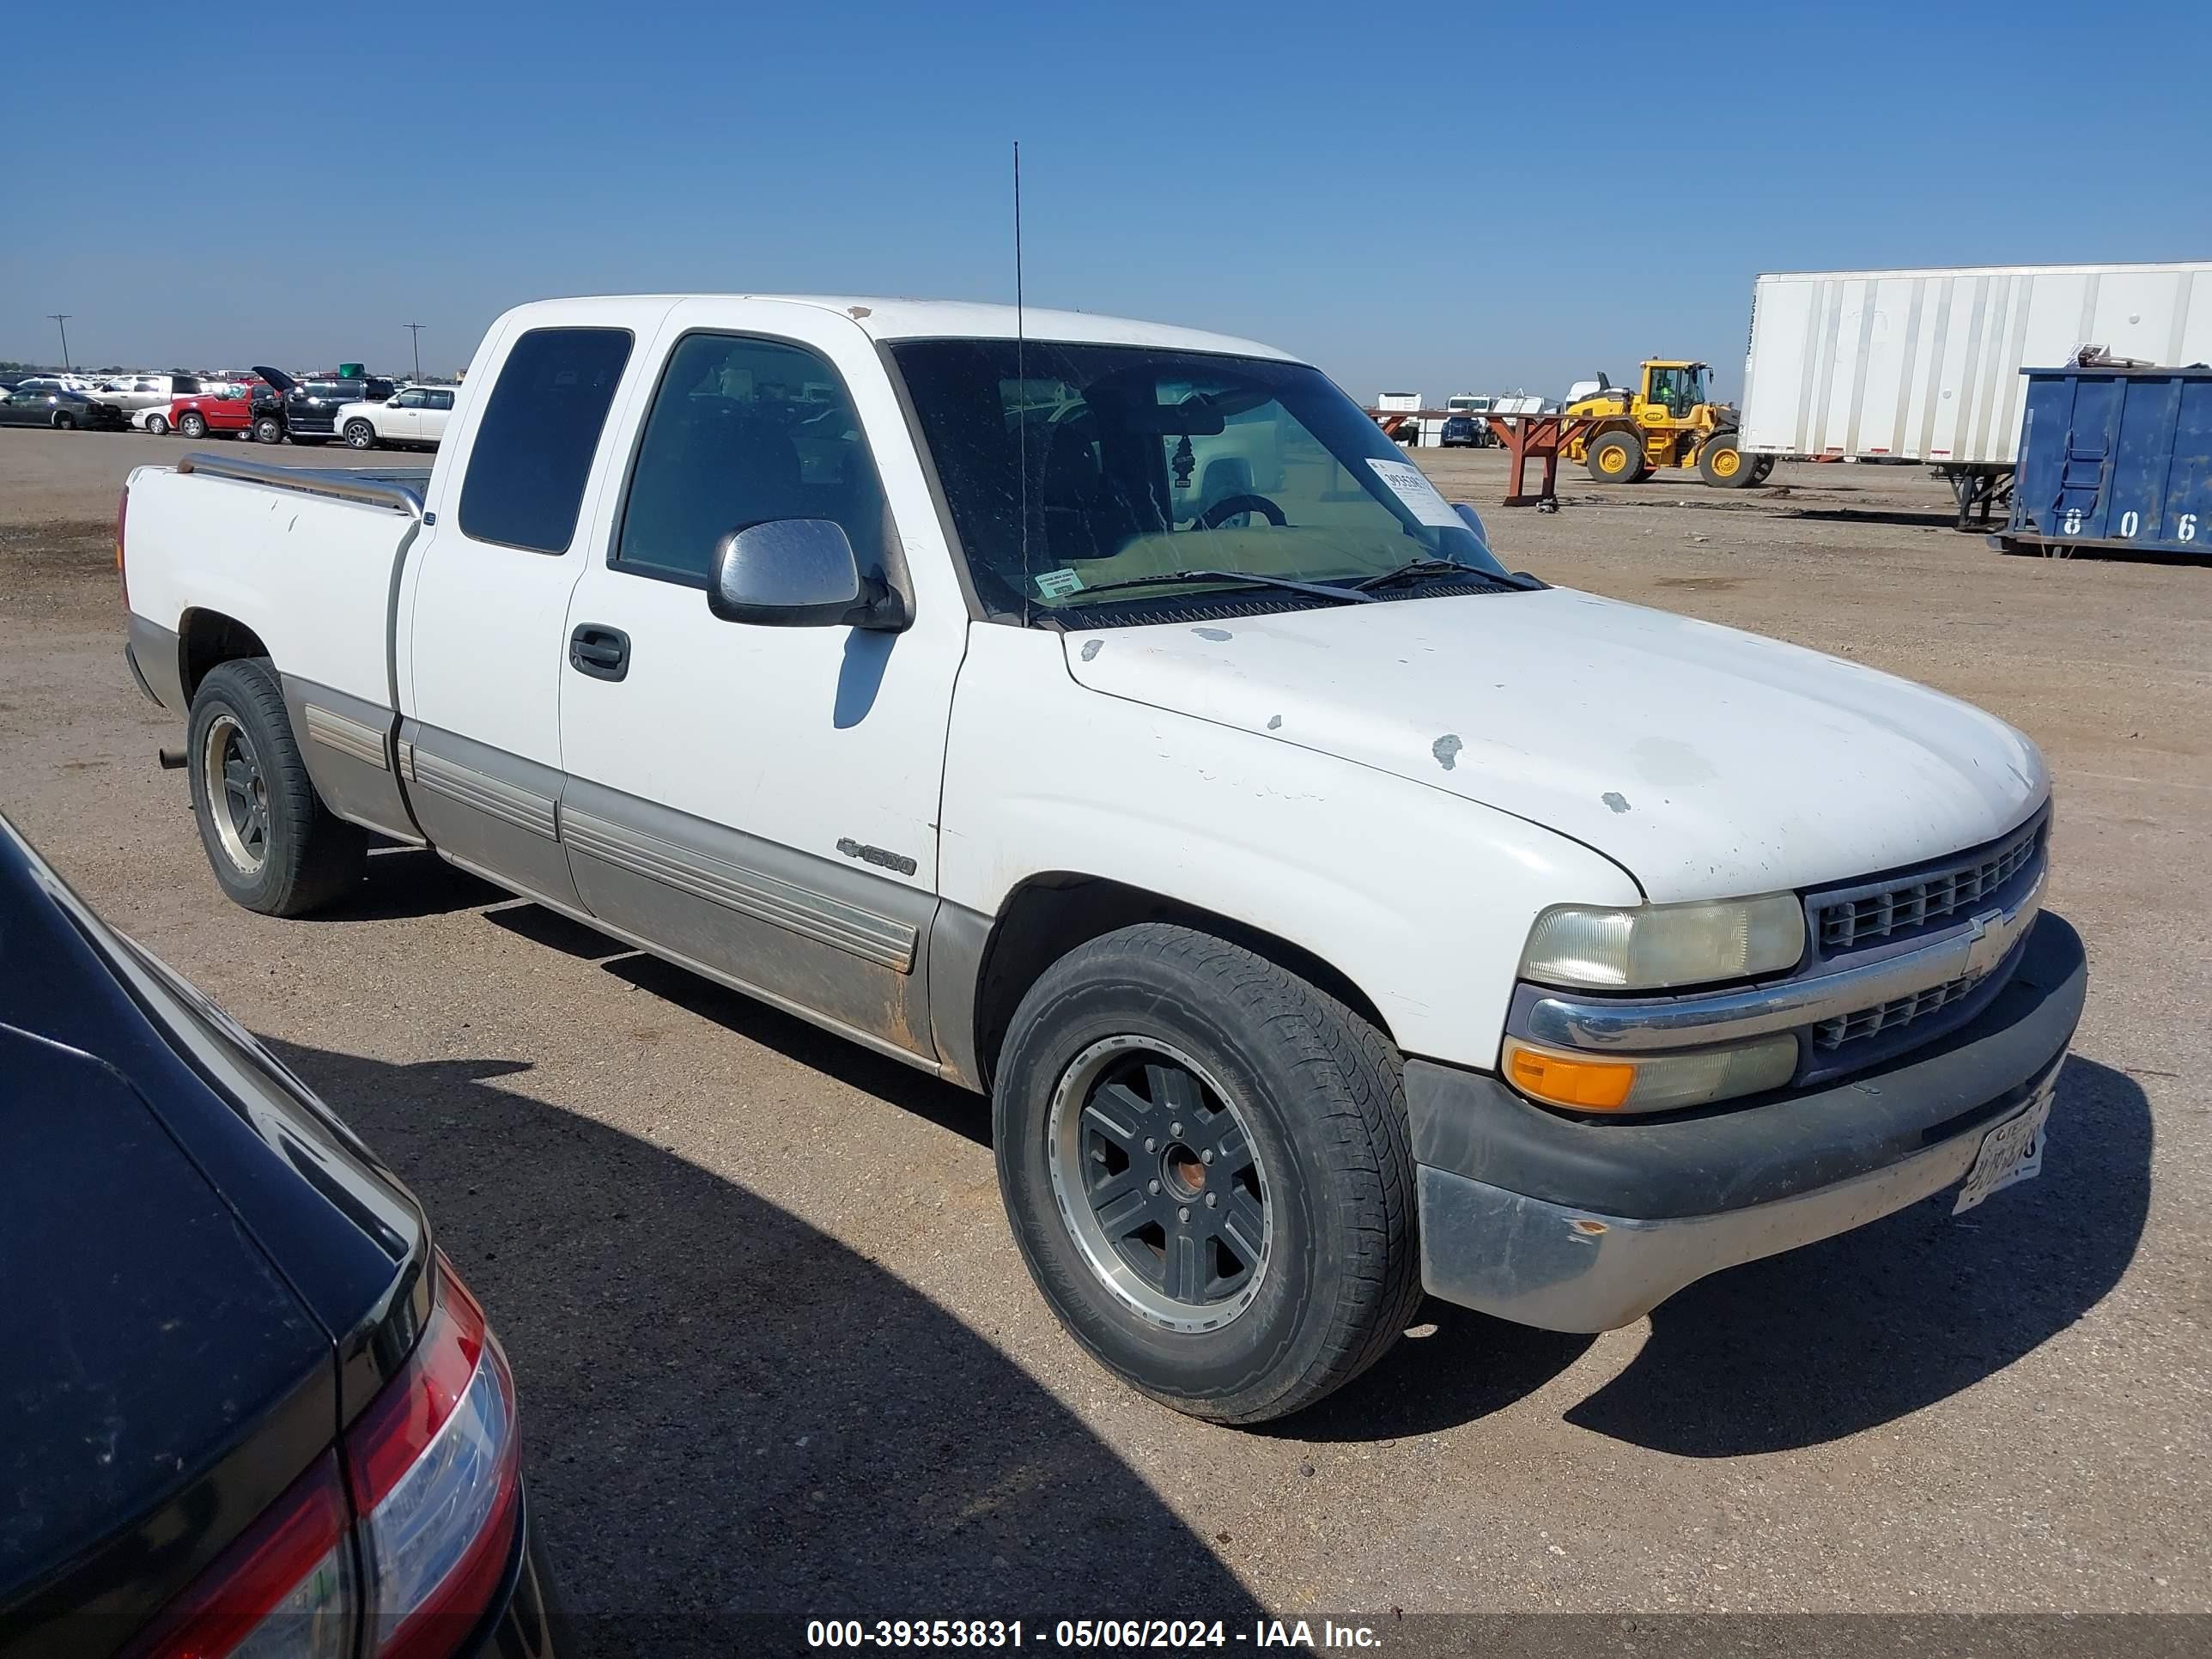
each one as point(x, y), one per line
point(532, 454)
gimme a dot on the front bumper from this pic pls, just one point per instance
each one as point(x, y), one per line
point(1572, 1224)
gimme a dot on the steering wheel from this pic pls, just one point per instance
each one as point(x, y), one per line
point(1230, 506)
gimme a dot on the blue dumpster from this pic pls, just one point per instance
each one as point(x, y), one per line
point(2113, 458)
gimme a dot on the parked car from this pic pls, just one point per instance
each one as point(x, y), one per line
point(135, 392)
point(226, 410)
point(306, 410)
point(153, 419)
point(1330, 913)
point(413, 415)
point(1463, 432)
point(33, 404)
point(56, 383)
point(254, 1408)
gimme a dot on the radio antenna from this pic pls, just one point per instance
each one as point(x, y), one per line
point(1021, 387)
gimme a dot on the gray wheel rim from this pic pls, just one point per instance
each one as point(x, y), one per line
point(357, 435)
point(237, 794)
point(1159, 1183)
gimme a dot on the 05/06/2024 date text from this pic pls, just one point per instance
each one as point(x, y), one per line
point(1169, 1634)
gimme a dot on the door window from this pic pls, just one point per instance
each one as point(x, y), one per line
point(533, 449)
point(439, 399)
point(741, 432)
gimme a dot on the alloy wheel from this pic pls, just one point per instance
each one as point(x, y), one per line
point(237, 794)
point(1160, 1183)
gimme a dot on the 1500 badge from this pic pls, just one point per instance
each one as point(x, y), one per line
point(877, 856)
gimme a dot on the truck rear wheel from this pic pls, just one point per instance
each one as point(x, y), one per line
point(1615, 457)
point(194, 425)
point(275, 847)
point(1724, 467)
point(1207, 1167)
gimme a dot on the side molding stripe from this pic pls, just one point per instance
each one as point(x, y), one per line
point(873, 937)
point(518, 807)
point(350, 737)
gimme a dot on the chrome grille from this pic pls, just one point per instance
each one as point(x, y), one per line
point(1888, 1015)
point(1867, 918)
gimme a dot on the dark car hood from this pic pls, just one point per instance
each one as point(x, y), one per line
point(275, 377)
point(154, 1336)
point(224, 1274)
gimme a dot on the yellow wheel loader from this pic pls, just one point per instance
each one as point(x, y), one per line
point(1670, 420)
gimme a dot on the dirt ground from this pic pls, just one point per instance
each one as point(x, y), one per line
point(776, 1350)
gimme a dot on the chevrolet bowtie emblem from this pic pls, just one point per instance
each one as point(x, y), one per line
point(1989, 936)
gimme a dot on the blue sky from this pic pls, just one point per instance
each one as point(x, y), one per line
point(1451, 198)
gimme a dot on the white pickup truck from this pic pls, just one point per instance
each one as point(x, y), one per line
point(1107, 717)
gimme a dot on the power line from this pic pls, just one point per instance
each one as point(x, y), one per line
point(416, 330)
point(61, 320)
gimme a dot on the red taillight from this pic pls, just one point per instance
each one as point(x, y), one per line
point(436, 1467)
point(122, 518)
point(394, 1545)
point(286, 1586)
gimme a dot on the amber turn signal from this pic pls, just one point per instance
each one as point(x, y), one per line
point(1589, 1085)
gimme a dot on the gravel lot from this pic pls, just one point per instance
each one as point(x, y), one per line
point(776, 1350)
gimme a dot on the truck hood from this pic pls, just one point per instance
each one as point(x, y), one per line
point(1706, 762)
point(275, 377)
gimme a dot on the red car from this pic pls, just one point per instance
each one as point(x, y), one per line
point(227, 409)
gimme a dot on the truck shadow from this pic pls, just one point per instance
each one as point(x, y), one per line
point(1859, 1330)
point(1796, 1351)
point(732, 1422)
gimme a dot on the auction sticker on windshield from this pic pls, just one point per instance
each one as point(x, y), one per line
point(2013, 1152)
point(1410, 485)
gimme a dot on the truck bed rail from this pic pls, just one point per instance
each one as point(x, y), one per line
point(396, 490)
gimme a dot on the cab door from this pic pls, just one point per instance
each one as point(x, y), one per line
point(761, 802)
point(399, 418)
point(485, 593)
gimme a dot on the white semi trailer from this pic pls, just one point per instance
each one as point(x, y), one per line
point(1925, 365)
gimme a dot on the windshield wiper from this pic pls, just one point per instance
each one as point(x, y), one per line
point(1239, 578)
point(1415, 569)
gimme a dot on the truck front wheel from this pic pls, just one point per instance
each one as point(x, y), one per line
point(276, 849)
point(360, 435)
point(1724, 467)
point(1207, 1167)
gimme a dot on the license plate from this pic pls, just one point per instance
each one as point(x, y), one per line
point(2011, 1153)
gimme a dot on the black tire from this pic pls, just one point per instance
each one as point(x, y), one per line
point(268, 429)
point(360, 435)
point(193, 425)
point(1721, 465)
point(275, 847)
point(159, 426)
point(1616, 457)
point(63, 421)
point(1316, 1093)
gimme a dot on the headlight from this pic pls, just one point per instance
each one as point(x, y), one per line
point(1653, 946)
point(1656, 1083)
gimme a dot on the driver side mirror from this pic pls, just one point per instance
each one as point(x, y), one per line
point(799, 573)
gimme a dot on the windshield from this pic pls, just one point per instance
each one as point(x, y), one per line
point(1146, 463)
point(1680, 389)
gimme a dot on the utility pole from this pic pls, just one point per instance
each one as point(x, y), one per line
point(416, 330)
point(61, 320)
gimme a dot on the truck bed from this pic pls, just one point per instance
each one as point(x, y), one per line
point(306, 558)
point(343, 482)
